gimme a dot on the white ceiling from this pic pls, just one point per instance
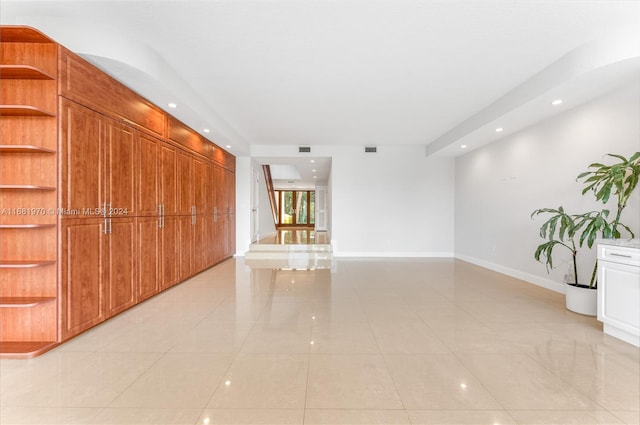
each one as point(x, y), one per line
point(355, 72)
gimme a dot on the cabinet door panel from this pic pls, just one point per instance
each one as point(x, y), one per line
point(120, 264)
point(168, 180)
point(185, 247)
point(82, 137)
point(199, 186)
point(120, 163)
point(83, 281)
point(199, 244)
point(147, 176)
point(148, 256)
point(169, 248)
point(185, 183)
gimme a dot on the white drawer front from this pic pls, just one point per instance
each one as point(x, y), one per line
point(619, 254)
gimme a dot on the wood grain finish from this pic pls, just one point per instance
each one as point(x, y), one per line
point(120, 189)
point(82, 82)
point(120, 264)
point(82, 147)
point(83, 293)
point(184, 184)
point(23, 72)
point(147, 169)
point(28, 192)
point(22, 34)
point(75, 140)
point(169, 249)
point(148, 255)
point(169, 179)
point(185, 252)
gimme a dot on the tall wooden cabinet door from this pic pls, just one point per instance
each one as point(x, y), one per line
point(199, 186)
point(83, 286)
point(147, 166)
point(120, 166)
point(148, 256)
point(169, 243)
point(82, 134)
point(219, 214)
point(229, 205)
point(120, 264)
point(168, 180)
point(199, 244)
point(185, 247)
point(211, 241)
point(185, 183)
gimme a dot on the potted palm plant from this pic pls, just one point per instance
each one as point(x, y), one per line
point(561, 229)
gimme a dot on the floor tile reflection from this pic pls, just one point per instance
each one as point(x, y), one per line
point(393, 341)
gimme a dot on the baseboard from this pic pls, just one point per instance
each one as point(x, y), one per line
point(527, 277)
point(359, 254)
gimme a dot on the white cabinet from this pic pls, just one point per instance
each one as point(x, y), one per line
point(619, 290)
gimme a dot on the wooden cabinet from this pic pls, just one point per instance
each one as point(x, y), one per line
point(98, 165)
point(186, 267)
point(83, 282)
point(119, 264)
point(169, 180)
point(184, 183)
point(147, 167)
point(170, 248)
point(148, 256)
point(106, 200)
point(103, 283)
point(28, 192)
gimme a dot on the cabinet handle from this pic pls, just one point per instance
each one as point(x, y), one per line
point(104, 209)
point(105, 226)
point(613, 254)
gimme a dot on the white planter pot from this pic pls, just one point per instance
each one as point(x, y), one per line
point(581, 300)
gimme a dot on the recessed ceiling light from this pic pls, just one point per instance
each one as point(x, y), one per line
point(463, 146)
point(315, 177)
point(172, 105)
point(499, 129)
point(556, 102)
point(206, 130)
point(228, 146)
point(313, 160)
point(313, 171)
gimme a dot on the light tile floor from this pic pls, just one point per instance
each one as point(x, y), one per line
point(367, 342)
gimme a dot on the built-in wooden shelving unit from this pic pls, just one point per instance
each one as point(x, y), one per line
point(28, 236)
point(23, 111)
point(24, 149)
point(74, 139)
point(24, 264)
point(18, 302)
point(23, 72)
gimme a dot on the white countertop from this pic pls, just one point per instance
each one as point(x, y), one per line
point(628, 243)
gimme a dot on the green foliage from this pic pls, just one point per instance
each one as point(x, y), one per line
point(618, 180)
point(559, 230)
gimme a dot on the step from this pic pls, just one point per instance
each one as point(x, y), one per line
point(281, 255)
point(290, 248)
point(289, 263)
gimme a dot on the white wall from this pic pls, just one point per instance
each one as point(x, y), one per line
point(243, 204)
point(396, 202)
point(498, 186)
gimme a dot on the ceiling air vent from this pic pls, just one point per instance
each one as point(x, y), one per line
point(304, 149)
point(370, 149)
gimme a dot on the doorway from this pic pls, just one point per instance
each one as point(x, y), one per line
point(296, 208)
